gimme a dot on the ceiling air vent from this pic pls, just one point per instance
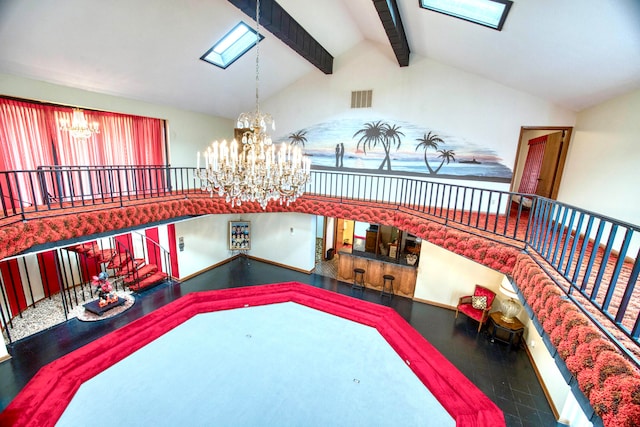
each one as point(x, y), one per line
point(361, 98)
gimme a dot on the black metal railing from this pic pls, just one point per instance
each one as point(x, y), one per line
point(596, 255)
point(60, 187)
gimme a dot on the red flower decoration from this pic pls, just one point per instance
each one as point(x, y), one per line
point(617, 402)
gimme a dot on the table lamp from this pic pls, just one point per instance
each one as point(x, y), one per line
point(510, 306)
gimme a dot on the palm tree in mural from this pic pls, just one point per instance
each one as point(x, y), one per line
point(375, 133)
point(298, 138)
point(446, 156)
point(426, 142)
point(392, 137)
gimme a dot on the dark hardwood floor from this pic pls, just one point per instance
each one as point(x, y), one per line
point(505, 375)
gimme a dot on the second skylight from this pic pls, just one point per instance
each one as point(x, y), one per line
point(490, 13)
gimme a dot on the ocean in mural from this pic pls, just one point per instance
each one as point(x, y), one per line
point(393, 146)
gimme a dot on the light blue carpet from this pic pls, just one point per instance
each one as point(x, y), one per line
point(276, 365)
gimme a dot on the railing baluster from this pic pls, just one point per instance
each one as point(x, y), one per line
point(557, 234)
point(567, 237)
point(604, 259)
point(621, 255)
point(574, 246)
point(592, 257)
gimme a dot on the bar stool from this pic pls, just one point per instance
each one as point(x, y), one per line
point(358, 279)
point(388, 279)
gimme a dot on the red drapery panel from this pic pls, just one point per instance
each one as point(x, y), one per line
point(153, 248)
point(531, 172)
point(26, 141)
point(13, 286)
point(173, 250)
point(124, 242)
point(47, 263)
point(30, 137)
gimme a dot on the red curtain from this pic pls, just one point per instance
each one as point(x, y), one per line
point(173, 250)
point(14, 293)
point(30, 137)
point(531, 172)
point(153, 248)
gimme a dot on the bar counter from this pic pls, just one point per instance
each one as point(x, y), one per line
point(376, 266)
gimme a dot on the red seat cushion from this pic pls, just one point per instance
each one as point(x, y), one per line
point(474, 313)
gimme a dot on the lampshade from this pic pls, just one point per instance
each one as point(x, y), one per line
point(510, 306)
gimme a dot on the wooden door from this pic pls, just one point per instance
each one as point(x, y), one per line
point(549, 168)
point(555, 163)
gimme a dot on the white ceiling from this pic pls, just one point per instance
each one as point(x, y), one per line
point(575, 53)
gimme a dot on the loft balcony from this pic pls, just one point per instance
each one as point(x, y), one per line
point(561, 258)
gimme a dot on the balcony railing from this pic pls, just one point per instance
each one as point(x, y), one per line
point(596, 256)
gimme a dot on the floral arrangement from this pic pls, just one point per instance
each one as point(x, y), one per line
point(104, 289)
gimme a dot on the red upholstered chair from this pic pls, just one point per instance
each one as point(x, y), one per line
point(478, 305)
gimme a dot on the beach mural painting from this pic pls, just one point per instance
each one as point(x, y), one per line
point(386, 146)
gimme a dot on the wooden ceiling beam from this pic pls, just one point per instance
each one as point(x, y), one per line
point(392, 23)
point(279, 23)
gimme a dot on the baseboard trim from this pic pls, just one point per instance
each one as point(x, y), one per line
point(277, 264)
point(211, 267)
point(556, 414)
point(5, 358)
point(437, 304)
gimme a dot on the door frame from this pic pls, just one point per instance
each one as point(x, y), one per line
point(517, 171)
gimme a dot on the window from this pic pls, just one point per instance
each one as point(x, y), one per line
point(232, 46)
point(490, 13)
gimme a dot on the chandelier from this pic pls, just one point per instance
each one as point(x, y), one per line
point(254, 169)
point(79, 127)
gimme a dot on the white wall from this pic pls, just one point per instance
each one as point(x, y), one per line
point(443, 276)
point(284, 238)
point(189, 132)
point(601, 172)
point(206, 240)
point(603, 153)
point(427, 92)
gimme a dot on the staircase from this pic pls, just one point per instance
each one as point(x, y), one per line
point(134, 273)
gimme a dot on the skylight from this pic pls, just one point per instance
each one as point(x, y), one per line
point(232, 46)
point(490, 13)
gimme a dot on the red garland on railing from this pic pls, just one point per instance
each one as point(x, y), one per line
point(607, 379)
point(618, 399)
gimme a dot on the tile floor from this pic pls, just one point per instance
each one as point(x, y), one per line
point(506, 376)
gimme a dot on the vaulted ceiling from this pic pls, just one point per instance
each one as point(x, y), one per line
point(574, 53)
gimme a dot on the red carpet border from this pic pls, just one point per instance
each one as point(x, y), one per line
point(44, 399)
